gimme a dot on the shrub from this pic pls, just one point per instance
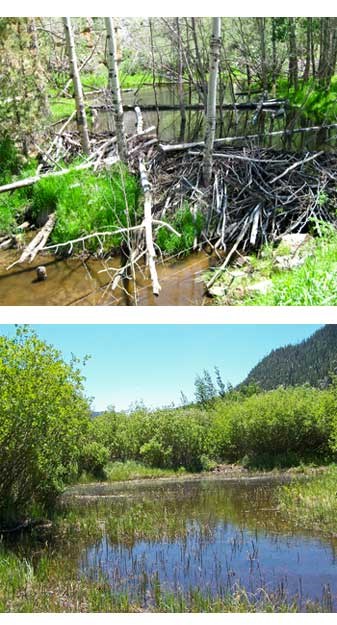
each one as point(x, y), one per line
point(43, 419)
point(93, 459)
point(271, 427)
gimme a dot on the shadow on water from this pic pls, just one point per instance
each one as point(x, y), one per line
point(212, 535)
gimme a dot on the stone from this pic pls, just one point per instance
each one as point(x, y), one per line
point(41, 273)
point(260, 287)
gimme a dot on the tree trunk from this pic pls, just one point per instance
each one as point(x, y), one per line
point(114, 88)
point(264, 73)
point(293, 65)
point(215, 46)
point(274, 59)
point(306, 72)
point(181, 83)
point(81, 117)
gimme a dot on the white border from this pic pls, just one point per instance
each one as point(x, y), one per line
point(131, 8)
point(168, 314)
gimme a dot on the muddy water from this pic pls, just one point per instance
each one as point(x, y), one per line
point(79, 282)
point(211, 535)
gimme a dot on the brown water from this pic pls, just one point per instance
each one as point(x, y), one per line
point(78, 282)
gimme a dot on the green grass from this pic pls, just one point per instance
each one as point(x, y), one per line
point(132, 470)
point(49, 586)
point(188, 225)
point(61, 108)
point(312, 284)
point(312, 504)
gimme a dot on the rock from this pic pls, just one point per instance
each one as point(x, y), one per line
point(286, 262)
point(295, 241)
point(217, 290)
point(260, 287)
point(41, 273)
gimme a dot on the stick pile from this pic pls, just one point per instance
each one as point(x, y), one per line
point(256, 195)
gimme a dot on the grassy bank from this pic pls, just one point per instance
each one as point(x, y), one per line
point(263, 281)
point(130, 470)
point(312, 284)
point(312, 504)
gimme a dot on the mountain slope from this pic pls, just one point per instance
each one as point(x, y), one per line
point(310, 361)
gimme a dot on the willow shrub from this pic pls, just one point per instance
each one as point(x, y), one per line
point(280, 427)
point(44, 417)
point(283, 427)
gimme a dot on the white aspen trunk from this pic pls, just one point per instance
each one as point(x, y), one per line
point(211, 98)
point(81, 117)
point(114, 88)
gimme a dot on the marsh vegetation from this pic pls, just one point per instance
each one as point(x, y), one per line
point(222, 504)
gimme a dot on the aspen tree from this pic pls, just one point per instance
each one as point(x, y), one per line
point(215, 46)
point(114, 88)
point(81, 117)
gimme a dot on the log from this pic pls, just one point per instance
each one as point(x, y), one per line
point(139, 118)
point(151, 253)
point(244, 106)
point(37, 243)
point(229, 256)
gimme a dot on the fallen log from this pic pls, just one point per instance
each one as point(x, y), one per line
point(244, 106)
point(37, 243)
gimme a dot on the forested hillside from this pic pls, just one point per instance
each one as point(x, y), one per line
point(310, 361)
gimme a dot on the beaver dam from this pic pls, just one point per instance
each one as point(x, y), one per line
point(203, 545)
point(178, 227)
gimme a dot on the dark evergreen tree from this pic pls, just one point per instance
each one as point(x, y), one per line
point(310, 362)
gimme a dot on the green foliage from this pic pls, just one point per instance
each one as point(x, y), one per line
point(318, 103)
point(188, 225)
point(205, 390)
point(93, 459)
point(43, 418)
point(10, 159)
point(276, 428)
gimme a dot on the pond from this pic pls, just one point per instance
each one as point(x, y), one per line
point(204, 535)
point(229, 123)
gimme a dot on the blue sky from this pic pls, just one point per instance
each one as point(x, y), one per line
point(155, 362)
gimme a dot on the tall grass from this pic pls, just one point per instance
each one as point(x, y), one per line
point(312, 284)
point(86, 202)
point(312, 504)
